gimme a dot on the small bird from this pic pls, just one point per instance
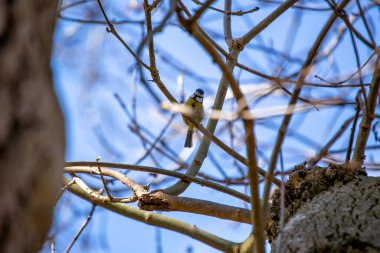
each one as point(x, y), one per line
point(195, 105)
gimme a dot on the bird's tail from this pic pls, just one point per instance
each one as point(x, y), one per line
point(189, 138)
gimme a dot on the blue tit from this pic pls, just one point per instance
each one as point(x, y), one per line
point(195, 105)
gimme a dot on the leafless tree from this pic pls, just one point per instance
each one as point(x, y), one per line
point(311, 101)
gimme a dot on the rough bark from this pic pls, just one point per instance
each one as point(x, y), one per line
point(344, 217)
point(31, 125)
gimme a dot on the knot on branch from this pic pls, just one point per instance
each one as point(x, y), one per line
point(155, 74)
point(303, 185)
point(154, 201)
point(342, 13)
point(236, 45)
point(110, 29)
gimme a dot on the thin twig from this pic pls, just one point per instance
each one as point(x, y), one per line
point(152, 58)
point(248, 125)
point(70, 5)
point(200, 11)
point(158, 220)
point(365, 22)
point(269, 19)
point(99, 22)
point(97, 194)
point(154, 4)
point(111, 29)
point(338, 84)
point(103, 180)
point(365, 125)
point(324, 151)
point(282, 203)
point(306, 68)
point(161, 150)
point(183, 177)
point(342, 14)
point(63, 190)
point(201, 154)
point(229, 12)
point(227, 23)
point(357, 58)
point(295, 6)
point(84, 225)
point(288, 80)
point(158, 139)
point(351, 140)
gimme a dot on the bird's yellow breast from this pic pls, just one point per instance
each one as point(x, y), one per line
point(196, 110)
point(193, 103)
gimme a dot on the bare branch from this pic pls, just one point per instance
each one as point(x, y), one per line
point(112, 30)
point(227, 23)
point(306, 68)
point(365, 125)
point(267, 21)
point(229, 12)
point(84, 225)
point(200, 11)
point(158, 220)
point(351, 140)
point(160, 201)
point(153, 68)
point(249, 134)
point(324, 151)
point(157, 171)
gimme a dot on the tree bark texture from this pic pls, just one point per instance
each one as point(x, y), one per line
point(343, 218)
point(31, 125)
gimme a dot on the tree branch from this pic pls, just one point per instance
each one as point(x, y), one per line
point(84, 225)
point(158, 221)
point(365, 125)
point(160, 201)
point(306, 68)
point(183, 177)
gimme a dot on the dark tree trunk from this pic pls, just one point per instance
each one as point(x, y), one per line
point(31, 125)
point(342, 216)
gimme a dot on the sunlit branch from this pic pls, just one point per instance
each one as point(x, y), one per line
point(159, 200)
point(183, 177)
point(158, 220)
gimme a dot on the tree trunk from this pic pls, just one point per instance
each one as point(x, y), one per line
point(31, 125)
point(343, 218)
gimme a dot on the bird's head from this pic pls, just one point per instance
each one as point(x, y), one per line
point(198, 95)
